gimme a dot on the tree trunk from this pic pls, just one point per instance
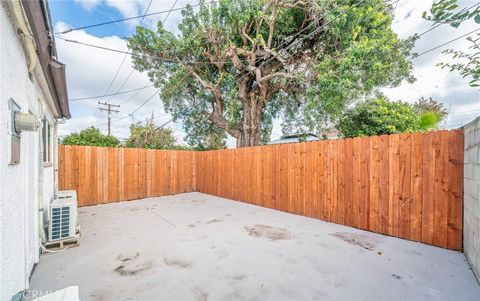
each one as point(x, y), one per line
point(250, 131)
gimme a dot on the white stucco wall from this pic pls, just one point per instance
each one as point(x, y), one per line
point(19, 240)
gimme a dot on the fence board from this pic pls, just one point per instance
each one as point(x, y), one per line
point(407, 185)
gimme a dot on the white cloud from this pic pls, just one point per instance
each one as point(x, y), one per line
point(89, 73)
point(88, 4)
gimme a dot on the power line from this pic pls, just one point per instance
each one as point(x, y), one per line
point(125, 56)
point(112, 94)
point(128, 77)
point(440, 24)
point(115, 76)
point(131, 18)
point(169, 60)
point(151, 97)
point(134, 95)
point(170, 11)
point(441, 45)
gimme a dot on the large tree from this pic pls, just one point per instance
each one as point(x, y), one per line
point(235, 65)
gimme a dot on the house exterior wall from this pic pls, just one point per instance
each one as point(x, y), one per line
point(19, 184)
point(471, 196)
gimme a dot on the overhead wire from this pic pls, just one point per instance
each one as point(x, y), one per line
point(130, 18)
point(133, 70)
point(443, 44)
point(112, 94)
point(125, 56)
point(440, 24)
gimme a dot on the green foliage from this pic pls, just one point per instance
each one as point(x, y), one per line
point(90, 136)
point(378, 117)
point(467, 62)
point(428, 121)
point(212, 141)
point(235, 65)
point(149, 135)
point(430, 106)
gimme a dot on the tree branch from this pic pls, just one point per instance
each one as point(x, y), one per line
point(276, 74)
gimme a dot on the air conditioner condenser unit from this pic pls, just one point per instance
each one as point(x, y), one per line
point(62, 222)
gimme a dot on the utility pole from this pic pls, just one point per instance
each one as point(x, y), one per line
point(108, 107)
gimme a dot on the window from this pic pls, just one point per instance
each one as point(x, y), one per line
point(46, 138)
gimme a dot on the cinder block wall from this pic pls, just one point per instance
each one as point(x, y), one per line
point(471, 219)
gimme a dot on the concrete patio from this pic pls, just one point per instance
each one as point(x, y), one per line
point(195, 246)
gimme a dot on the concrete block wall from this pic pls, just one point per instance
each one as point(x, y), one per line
point(471, 196)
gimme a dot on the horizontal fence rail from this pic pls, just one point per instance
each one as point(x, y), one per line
point(105, 175)
point(406, 185)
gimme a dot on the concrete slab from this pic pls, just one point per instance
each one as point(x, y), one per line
point(198, 247)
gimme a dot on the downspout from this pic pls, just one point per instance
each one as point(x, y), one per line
point(25, 33)
point(41, 228)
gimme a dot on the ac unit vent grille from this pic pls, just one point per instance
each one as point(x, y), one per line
point(60, 223)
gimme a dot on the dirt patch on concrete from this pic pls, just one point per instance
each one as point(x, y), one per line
point(272, 233)
point(133, 269)
point(130, 265)
point(357, 239)
point(200, 294)
point(214, 221)
point(180, 263)
point(238, 277)
point(127, 257)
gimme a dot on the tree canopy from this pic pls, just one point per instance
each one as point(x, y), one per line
point(149, 135)
point(235, 65)
point(429, 106)
point(379, 116)
point(91, 136)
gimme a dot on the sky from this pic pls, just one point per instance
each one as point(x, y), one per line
point(93, 72)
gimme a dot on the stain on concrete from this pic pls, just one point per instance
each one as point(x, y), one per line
point(222, 254)
point(97, 295)
point(131, 269)
point(214, 221)
point(357, 239)
point(228, 214)
point(126, 257)
point(272, 233)
point(180, 263)
point(238, 277)
point(135, 209)
point(200, 294)
point(192, 225)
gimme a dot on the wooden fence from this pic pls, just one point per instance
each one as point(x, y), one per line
point(105, 175)
point(407, 185)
